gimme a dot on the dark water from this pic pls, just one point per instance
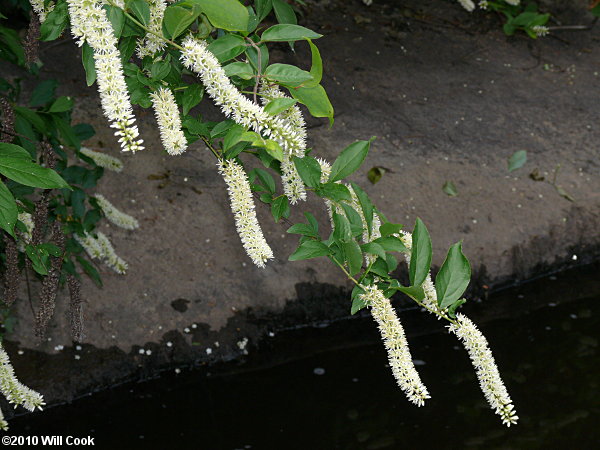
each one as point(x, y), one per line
point(344, 397)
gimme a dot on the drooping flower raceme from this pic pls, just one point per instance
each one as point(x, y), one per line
point(40, 9)
point(103, 160)
point(487, 372)
point(293, 186)
point(196, 57)
point(169, 121)
point(151, 43)
point(242, 205)
point(111, 259)
point(89, 23)
point(15, 391)
point(476, 344)
point(396, 345)
point(101, 248)
point(117, 217)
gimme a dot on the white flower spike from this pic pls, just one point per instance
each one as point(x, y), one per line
point(242, 205)
point(117, 217)
point(396, 345)
point(169, 121)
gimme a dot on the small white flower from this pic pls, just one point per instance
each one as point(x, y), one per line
point(395, 342)
point(103, 160)
point(117, 217)
point(242, 206)
point(169, 121)
point(208, 351)
point(540, 30)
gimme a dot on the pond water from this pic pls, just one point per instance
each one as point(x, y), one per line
point(329, 388)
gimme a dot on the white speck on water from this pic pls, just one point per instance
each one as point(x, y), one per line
point(77, 347)
point(177, 370)
point(217, 344)
point(194, 325)
point(186, 330)
point(573, 316)
point(271, 334)
point(169, 344)
point(574, 257)
point(419, 362)
point(141, 351)
point(20, 352)
point(547, 328)
point(148, 352)
point(77, 357)
point(209, 351)
point(319, 371)
point(355, 380)
point(551, 304)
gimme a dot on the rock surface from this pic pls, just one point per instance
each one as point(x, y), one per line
point(449, 98)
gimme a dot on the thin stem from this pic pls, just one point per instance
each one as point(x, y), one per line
point(258, 68)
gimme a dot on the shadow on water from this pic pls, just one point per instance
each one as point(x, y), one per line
point(342, 396)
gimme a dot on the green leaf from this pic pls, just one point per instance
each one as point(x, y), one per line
point(279, 105)
point(191, 97)
point(454, 306)
point(87, 58)
point(140, 10)
point(13, 151)
point(517, 160)
point(453, 278)
point(420, 255)
point(334, 191)
point(284, 12)
point(309, 249)
point(315, 99)
point(37, 259)
point(117, 19)
point(263, 8)
point(227, 47)
point(32, 117)
point(30, 174)
point(43, 93)
point(66, 132)
point(287, 75)
point(388, 228)
point(366, 206)
point(373, 249)
point(312, 221)
point(316, 69)
point(358, 302)
point(90, 270)
point(228, 15)
point(177, 19)
point(309, 170)
point(349, 160)
point(55, 23)
point(61, 104)
point(8, 210)
point(50, 249)
point(303, 229)
point(280, 208)
point(450, 189)
point(273, 149)
point(354, 256)
point(375, 174)
point(380, 268)
point(239, 69)
point(341, 228)
point(412, 291)
point(160, 70)
point(266, 179)
point(288, 32)
point(354, 218)
point(391, 244)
